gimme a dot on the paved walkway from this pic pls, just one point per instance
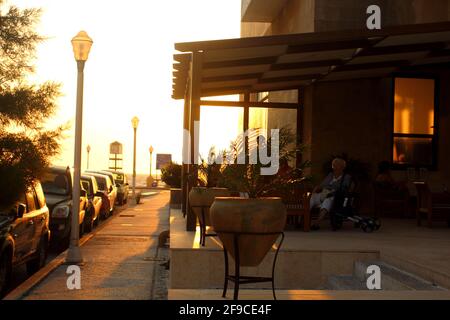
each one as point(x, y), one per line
point(122, 260)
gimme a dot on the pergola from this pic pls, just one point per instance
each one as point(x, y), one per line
point(292, 62)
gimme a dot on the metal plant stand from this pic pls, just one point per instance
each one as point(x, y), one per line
point(202, 222)
point(237, 278)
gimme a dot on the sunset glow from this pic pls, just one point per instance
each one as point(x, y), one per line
point(129, 72)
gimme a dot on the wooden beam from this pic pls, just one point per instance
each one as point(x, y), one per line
point(195, 96)
point(246, 124)
point(249, 104)
point(290, 78)
point(312, 38)
point(330, 46)
point(305, 65)
point(181, 67)
point(182, 57)
point(185, 167)
point(240, 62)
point(236, 77)
point(225, 91)
point(375, 51)
point(376, 65)
point(300, 125)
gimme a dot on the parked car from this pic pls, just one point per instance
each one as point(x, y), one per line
point(123, 188)
point(105, 185)
point(95, 201)
point(57, 184)
point(111, 177)
point(24, 234)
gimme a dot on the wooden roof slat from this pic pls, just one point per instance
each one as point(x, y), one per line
point(232, 77)
point(307, 38)
point(290, 78)
point(307, 64)
point(284, 61)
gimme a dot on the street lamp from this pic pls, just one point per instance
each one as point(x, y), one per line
point(134, 123)
point(88, 149)
point(81, 44)
point(151, 152)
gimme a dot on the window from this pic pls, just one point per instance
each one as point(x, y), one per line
point(414, 137)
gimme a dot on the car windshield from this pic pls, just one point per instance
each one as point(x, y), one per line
point(86, 186)
point(55, 183)
point(101, 183)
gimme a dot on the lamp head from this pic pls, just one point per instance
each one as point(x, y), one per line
point(81, 45)
point(135, 122)
point(151, 149)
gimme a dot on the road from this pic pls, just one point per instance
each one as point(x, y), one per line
point(20, 274)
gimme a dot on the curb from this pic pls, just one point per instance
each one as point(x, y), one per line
point(25, 287)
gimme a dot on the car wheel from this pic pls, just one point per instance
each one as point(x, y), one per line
point(65, 243)
point(96, 221)
point(81, 230)
point(41, 257)
point(5, 273)
point(89, 222)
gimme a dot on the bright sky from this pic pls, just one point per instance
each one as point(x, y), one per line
point(129, 72)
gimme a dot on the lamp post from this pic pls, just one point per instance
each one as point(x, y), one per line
point(88, 149)
point(81, 44)
point(134, 123)
point(151, 153)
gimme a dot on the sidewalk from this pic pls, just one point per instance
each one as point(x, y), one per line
point(122, 260)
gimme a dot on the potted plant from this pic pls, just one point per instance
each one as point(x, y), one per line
point(171, 175)
point(202, 197)
point(260, 213)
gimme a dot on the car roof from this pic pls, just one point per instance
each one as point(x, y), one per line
point(112, 171)
point(59, 168)
point(97, 175)
point(102, 172)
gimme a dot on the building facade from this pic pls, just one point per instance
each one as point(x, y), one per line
point(403, 118)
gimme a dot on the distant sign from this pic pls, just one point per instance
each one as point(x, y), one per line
point(115, 148)
point(162, 160)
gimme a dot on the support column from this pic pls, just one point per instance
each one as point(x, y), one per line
point(246, 124)
point(300, 119)
point(186, 151)
point(194, 128)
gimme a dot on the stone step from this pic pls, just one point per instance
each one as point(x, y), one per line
point(393, 278)
point(344, 283)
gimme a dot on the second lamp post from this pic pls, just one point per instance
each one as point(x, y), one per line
point(134, 123)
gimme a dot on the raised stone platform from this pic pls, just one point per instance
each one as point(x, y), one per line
point(298, 267)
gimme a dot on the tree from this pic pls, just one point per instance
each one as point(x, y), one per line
point(26, 148)
point(171, 175)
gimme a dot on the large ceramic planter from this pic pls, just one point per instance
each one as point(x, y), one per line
point(238, 215)
point(204, 197)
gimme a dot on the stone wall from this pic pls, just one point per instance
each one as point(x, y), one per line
point(296, 17)
point(331, 15)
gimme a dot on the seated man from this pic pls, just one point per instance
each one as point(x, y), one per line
point(323, 195)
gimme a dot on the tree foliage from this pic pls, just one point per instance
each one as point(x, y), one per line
point(26, 148)
point(247, 178)
point(171, 175)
